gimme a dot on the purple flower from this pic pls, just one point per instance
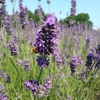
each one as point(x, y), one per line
point(26, 65)
point(98, 57)
point(32, 85)
point(93, 58)
point(23, 14)
point(43, 61)
point(75, 61)
point(46, 39)
point(98, 49)
point(51, 19)
point(13, 48)
point(38, 89)
point(44, 90)
point(3, 94)
point(15, 37)
point(57, 57)
point(7, 24)
point(47, 83)
point(73, 9)
point(2, 8)
point(90, 59)
point(88, 41)
point(40, 12)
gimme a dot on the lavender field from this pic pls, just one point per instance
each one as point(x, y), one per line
point(47, 60)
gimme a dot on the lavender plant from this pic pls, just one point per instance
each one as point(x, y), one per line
point(46, 42)
point(65, 67)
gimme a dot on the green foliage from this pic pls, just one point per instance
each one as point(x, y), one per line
point(30, 15)
point(61, 21)
point(82, 18)
point(35, 16)
point(0, 22)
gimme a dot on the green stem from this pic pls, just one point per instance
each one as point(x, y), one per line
point(1, 24)
point(40, 74)
point(16, 69)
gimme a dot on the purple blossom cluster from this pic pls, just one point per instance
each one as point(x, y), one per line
point(13, 47)
point(75, 62)
point(47, 85)
point(2, 8)
point(73, 9)
point(15, 37)
point(3, 94)
point(7, 24)
point(40, 11)
point(38, 89)
point(45, 89)
point(32, 85)
point(58, 57)
point(23, 14)
point(46, 39)
point(93, 58)
point(89, 41)
point(26, 65)
point(43, 61)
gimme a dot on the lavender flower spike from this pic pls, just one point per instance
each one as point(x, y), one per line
point(3, 95)
point(46, 39)
point(2, 8)
point(13, 48)
point(26, 64)
point(73, 9)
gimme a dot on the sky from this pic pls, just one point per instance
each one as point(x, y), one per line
point(92, 7)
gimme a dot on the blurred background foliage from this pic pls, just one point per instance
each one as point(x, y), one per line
point(69, 20)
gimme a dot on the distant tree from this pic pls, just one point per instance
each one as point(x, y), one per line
point(37, 16)
point(30, 15)
point(82, 18)
point(70, 20)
